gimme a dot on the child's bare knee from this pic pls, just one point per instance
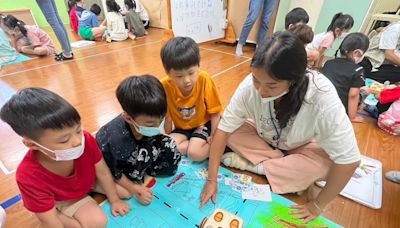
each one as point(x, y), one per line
point(101, 220)
point(197, 155)
point(98, 219)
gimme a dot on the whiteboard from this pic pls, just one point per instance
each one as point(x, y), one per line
point(202, 20)
point(365, 186)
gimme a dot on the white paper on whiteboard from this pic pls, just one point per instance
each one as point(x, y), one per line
point(198, 19)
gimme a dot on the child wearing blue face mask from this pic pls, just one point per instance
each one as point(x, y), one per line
point(62, 164)
point(132, 143)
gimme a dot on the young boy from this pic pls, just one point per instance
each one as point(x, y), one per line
point(62, 163)
point(293, 21)
point(296, 16)
point(194, 104)
point(89, 26)
point(132, 143)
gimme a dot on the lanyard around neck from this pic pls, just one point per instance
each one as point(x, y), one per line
point(277, 137)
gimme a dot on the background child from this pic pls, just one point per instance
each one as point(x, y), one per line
point(135, 25)
point(346, 75)
point(296, 16)
point(382, 61)
point(143, 14)
point(296, 21)
point(115, 23)
point(62, 163)
point(303, 32)
point(132, 143)
point(89, 26)
point(73, 17)
point(28, 39)
point(338, 28)
point(8, 54)
point(194, 103)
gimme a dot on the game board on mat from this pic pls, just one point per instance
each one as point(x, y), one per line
point(176, 204)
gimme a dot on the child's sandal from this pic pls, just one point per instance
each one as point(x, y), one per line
point(61, 57)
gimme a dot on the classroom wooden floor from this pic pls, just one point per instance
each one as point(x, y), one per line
point(89, 84)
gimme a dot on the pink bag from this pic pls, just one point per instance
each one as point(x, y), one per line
point(389, 121)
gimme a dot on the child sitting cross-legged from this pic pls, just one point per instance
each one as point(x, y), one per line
point(133, 144)
point(89, 26)
point(135, 25)
point(62, 164)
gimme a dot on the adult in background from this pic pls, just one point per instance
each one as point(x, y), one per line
point(255, 8)
point(49, 10)
point(382, 62)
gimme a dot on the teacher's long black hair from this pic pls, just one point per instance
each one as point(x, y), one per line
point(283, 57)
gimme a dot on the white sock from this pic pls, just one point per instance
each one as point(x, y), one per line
point(239, 51)
point(259, 169)
point(234, 160)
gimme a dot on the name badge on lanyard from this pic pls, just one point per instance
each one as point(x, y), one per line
point(277, 137)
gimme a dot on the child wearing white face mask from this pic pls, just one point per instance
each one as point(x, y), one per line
point(133, 144)
point(62, 164)
point(339, 27)
point(346, 75)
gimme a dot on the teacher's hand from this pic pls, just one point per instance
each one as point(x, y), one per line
point(307, 212)
point(209, 191)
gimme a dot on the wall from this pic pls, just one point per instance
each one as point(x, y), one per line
point(358, 9)
point(37, 13)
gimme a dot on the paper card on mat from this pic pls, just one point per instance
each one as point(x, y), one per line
point(260, 192)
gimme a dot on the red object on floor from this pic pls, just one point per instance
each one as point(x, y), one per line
point(151, 183)
point(389, 95)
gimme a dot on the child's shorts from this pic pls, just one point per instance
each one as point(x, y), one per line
point(202, 133)
point(86, 33)
point(69, 207)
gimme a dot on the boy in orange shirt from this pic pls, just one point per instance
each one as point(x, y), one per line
point(194, 104)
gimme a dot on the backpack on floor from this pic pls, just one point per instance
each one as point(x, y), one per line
point(389, 121)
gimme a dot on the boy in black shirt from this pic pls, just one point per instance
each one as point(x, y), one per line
point(132, 143)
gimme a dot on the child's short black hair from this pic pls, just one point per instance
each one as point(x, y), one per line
point(33, 110)
point(95, 9)
point(180, 53)
point(295, 16)
point(142, 95)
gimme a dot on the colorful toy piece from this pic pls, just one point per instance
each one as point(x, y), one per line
point(221, 218)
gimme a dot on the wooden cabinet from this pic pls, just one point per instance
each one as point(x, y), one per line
point(158, 12)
